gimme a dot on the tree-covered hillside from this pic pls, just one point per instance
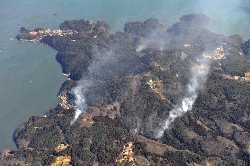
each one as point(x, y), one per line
point(130, 81)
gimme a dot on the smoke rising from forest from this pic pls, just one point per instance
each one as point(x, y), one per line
point(80, 100)
point(103, 67)
point(102, 64)
point(84, 84)
point(196, 82)
point(155, 39)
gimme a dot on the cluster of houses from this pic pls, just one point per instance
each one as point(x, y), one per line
point(127, 154)
point(45, 32)
point(39, 33)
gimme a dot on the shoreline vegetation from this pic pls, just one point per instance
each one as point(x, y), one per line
point(133, 80)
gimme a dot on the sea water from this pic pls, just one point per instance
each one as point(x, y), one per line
point(30, 77)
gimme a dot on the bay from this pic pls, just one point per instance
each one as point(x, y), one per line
point(21, 63)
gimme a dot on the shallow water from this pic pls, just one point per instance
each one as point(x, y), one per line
point(20, 98)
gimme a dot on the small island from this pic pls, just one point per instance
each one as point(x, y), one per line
point(130, 81)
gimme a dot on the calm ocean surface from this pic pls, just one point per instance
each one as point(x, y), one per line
point(21, 63)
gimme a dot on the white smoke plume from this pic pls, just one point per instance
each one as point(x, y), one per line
point(140, 47)
point(80, 102)
point(95, 71)
point(197, 80)
point(138, 126)
point(154, 39)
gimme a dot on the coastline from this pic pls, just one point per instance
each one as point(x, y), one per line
point(122, 103)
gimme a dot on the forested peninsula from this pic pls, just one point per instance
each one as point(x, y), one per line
point(130, 81)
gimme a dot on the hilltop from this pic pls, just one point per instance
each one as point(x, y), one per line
point(130, 81)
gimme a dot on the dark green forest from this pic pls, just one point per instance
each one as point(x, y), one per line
point(137, 89)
